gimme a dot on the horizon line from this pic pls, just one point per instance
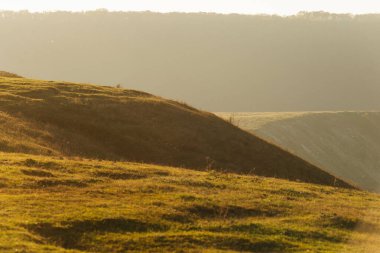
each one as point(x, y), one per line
point(299, 13)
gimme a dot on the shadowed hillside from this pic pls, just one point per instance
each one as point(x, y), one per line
point(307, 62)
point(346, 144)
point(46, 117)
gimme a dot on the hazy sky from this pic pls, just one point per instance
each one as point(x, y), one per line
point(282, 7)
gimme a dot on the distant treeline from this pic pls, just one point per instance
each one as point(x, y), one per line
point(311, 61)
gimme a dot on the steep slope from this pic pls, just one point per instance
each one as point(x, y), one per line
point(346, 144)
point(81, 206)
point(111, 123)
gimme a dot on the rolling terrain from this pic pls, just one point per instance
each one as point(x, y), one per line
point(86, 168)
point(67, 119)
point(79, 205)
point(346, 144)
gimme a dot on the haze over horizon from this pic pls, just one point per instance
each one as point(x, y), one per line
point(240, 6)
point(310, 62)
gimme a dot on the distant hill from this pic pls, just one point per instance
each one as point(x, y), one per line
point(308, 62)
point(346, 144)
point(59, 118)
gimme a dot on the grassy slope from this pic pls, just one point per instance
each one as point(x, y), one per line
point(58, 118)
point(62, 205)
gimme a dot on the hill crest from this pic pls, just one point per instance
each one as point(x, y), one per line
point(103, 122)
point(8, 74)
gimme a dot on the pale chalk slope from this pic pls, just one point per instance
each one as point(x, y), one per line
point(346, 144)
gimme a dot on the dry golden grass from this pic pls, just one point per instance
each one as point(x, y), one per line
point(59, 118)
point(79, 205)
point(67, 199)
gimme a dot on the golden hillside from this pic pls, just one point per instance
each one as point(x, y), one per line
point(79, 206)
point(59, 118)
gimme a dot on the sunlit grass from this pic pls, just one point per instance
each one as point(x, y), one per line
point(50, 204)
point(58, 118)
